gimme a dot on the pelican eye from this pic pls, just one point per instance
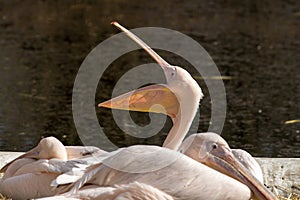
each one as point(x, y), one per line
point(214, 146)
point(174, 71)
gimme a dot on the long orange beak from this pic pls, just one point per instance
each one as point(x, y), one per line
point(153, 98)
point(224, 161)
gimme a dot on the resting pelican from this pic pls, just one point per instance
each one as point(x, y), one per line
point(182, 177)
point(30, 175)
point(197, 141)
point(24, 176)
point(199, 146)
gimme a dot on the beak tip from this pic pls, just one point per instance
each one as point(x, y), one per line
point(114, 23)
point(100, 105)
point(106, 104)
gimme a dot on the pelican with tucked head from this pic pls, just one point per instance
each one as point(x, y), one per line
point(31, 174)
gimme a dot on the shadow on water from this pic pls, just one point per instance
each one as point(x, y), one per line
point(256, 44)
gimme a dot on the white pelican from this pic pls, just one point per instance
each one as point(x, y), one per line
point(200, 146)
point(183, 178)
point(196, 142)
point(180, 87)
point(30, 175)
point(24, 176)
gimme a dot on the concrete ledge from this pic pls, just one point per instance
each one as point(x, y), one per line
point(282, 175)
point(6, 157)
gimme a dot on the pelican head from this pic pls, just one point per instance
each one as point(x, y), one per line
point(175, 76)
point(213, 151)
point(183, 85)
point(204, 147)
point(49, 148)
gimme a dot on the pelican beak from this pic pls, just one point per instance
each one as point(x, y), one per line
point(223, 160)
point(33, 153)
point(153, 98)
point(164, 64)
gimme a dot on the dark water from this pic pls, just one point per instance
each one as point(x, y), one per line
point(256, 43)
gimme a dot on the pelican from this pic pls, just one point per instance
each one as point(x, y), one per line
point(200, 146)
point(30, 175)
point(181, 176)
point(168, 96)
point(180, 87)
point(197, 142)
point(24, 176)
